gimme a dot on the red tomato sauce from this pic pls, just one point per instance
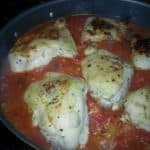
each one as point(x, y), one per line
point(106, 129)
point(119, 48)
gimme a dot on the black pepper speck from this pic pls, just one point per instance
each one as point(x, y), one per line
point(89, 65)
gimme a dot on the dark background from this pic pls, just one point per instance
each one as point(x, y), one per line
point(8, 10)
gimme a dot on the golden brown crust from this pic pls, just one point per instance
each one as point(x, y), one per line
point(46, 30)
point(101, 24)
point(141, 44)
point(101, 28)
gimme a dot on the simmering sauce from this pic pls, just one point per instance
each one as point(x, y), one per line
point(106, 129)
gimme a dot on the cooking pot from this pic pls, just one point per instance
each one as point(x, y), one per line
point(134, 11)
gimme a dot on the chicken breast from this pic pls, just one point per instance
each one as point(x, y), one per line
point(58, 106)
point(137, 108)
point(141, 52)
point(108, 77)
point(51, 40)
point(98, 29)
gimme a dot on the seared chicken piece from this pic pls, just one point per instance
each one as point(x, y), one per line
point(98, 29)
point(59, 109)
point(52, 40)
point(108, 77)
point(137, 108)
point(141, 52)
